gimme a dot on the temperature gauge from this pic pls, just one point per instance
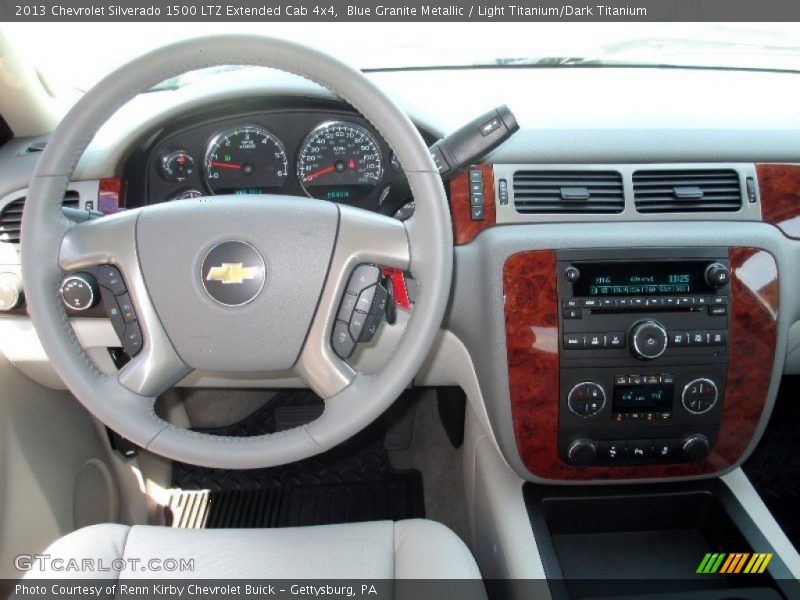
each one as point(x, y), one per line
point(177, 166)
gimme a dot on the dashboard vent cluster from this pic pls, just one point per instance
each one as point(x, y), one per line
point(577, 192)
point(11, 216)
point(702, 190)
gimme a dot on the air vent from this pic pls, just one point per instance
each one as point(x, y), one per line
point(702, 190)
point(11, 216)
point(589, 192)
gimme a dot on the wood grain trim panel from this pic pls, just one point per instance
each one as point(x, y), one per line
point(532, 343)
point(779, 188)
point(464, 228)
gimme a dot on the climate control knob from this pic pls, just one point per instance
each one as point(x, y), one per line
point(695, 447)
point(717, 275)
point(648, 339)
point(581, 452)
point(586, 399)
point(699, 396)
point(79, 291)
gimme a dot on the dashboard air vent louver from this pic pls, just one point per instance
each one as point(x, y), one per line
point(571, 192)
point(681, 191)
point(11, 216)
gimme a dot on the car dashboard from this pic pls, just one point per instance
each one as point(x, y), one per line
point(554, 361)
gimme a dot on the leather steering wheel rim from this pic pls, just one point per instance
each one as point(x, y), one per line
point(125, 400)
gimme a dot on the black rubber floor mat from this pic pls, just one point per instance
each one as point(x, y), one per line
point(352, 482)
point(774, 467)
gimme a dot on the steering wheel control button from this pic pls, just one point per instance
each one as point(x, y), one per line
point(648, 340)
point(109, 277)
point(11, 295)
point(365, 298)
point(476, 201)
point(233, 273)
point(586, 399)
point(132, 340)
point(343, 343)
point(363, 277)
point(699, 396)
point(347, 307)
point(79, 291)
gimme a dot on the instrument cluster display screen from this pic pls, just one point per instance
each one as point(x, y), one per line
point(671, 278)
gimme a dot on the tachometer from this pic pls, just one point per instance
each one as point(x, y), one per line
point(245, 160)
point(339, 161)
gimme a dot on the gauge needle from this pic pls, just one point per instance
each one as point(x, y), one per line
point(320, 173)
point(224, 165)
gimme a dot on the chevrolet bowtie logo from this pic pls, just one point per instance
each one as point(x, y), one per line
point(230, 273)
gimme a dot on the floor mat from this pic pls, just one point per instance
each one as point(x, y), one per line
point(774, 467)
point(352, 482)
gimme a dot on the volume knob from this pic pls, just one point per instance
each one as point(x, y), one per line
point(648, 339)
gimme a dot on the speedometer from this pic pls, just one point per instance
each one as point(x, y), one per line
point(339, 161)
point(245, 160)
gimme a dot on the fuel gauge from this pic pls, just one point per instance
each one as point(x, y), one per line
point(177, 166)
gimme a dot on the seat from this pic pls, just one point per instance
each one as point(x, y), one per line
point(412, 549)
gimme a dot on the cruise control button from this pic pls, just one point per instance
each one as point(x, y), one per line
point(364, 303)
point(357, 323)
point(347, 307)
point(363, 276)
point(371, 327)
point(379, 301)
point(132, 340)
point(109, 277)
point(342, 343)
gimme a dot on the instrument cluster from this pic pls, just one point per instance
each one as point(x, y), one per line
point(325, 154)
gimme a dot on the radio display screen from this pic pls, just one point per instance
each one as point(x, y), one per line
point(655, 398)
point(641, 279)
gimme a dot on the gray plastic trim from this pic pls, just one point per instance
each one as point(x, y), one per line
point(507, 213)
point(112, 240)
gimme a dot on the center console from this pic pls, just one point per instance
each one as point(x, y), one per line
point(638, 363)
point(644, 354)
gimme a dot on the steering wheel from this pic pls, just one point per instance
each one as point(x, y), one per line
point(308, 248)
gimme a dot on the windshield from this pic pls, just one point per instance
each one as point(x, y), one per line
point(92, 50)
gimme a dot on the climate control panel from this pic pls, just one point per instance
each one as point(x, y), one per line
point(643, 354)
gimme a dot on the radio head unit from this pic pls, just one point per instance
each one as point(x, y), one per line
point(643, 356)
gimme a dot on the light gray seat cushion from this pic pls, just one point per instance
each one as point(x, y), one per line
point(413, 549)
